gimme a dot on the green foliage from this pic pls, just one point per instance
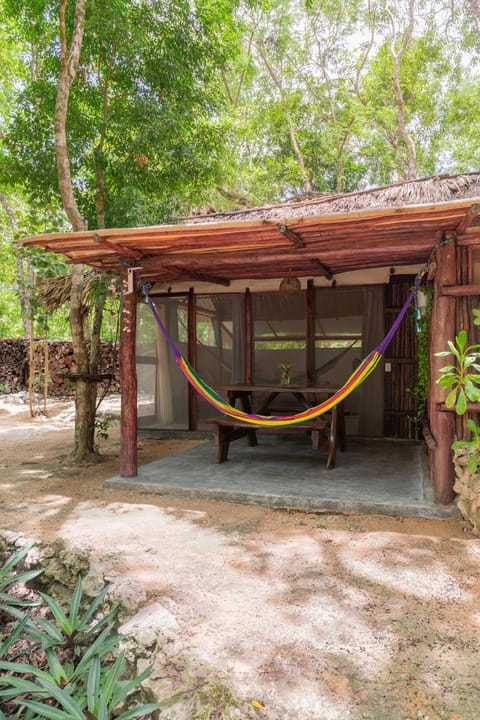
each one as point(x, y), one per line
point(472, 446)
point(9, 604)
point(174, 106)
point(422, 384)
point(79, 676)
point(462, 385)
point(75, 629)
point(458, 378)
point(142, 118)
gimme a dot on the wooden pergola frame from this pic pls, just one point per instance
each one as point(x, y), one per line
point(307, 240)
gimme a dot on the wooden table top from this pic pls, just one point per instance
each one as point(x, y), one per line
point(240, 387)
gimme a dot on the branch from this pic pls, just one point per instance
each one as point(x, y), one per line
point(291, 130)
point(397, 58)
point(475, 10)
point(9, 210)
point(230, 195)
point(356, 84)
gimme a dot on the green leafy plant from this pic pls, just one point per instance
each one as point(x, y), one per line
point(75, 674)
point(96, 692)
point(74, 629)
point(7, 643)
point(472, 446)
point(9, 604)
point(461, 379)
point(422, 381)
point(102, 425)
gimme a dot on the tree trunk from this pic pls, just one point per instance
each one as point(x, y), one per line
point(85, 390)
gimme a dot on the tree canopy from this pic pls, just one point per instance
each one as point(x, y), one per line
point(178, 105)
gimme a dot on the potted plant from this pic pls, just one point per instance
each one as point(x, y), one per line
point(285, 370)
point(461, 379)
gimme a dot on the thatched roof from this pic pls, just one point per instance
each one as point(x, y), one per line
point(437, 189)
point(390, 226)
point(56, 291)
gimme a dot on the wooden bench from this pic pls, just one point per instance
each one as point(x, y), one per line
point(324, 435)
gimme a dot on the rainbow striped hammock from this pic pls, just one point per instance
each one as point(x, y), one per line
point(356, 378)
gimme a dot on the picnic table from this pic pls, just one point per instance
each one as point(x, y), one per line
point(327, 431)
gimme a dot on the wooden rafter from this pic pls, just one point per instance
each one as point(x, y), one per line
point(321, 268)
point(121, 250)
point(187, 274)
point(290, 235)
point(468, 220)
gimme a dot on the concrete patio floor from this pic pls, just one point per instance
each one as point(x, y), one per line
point(372, 476)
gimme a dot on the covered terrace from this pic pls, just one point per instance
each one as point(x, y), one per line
point(367, 238)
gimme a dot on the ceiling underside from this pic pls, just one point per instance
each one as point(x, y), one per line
point(324, 245)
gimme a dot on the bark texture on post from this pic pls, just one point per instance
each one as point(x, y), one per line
point(128, 380)
point(442, 423)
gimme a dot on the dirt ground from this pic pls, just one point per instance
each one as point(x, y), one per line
point(314, 616)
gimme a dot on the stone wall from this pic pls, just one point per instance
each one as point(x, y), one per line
point(15, 366)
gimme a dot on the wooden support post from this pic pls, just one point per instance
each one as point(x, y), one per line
point(249, 344)
point(128, 377)
point(441, 423)
point(310, 334)
point(192, 357)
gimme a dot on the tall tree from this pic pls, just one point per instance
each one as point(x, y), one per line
point(132, 90)
point(86, 356)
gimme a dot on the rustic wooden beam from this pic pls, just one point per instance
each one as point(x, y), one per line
point(271, 255)
point(460, 290)
point(471, 407)
point(290, 235)
point(121, 250)
point(128, 379)
point(322, 269)
point(468, 220)
point(443, 329)
point(188, 274)
point(471, 238)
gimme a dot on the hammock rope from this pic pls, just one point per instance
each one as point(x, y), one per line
point(366, 367)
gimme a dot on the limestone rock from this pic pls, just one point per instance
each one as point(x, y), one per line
point(467, 487)
point(151, 623)
point(125, 595)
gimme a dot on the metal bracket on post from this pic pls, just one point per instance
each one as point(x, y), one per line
point(130, 272)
